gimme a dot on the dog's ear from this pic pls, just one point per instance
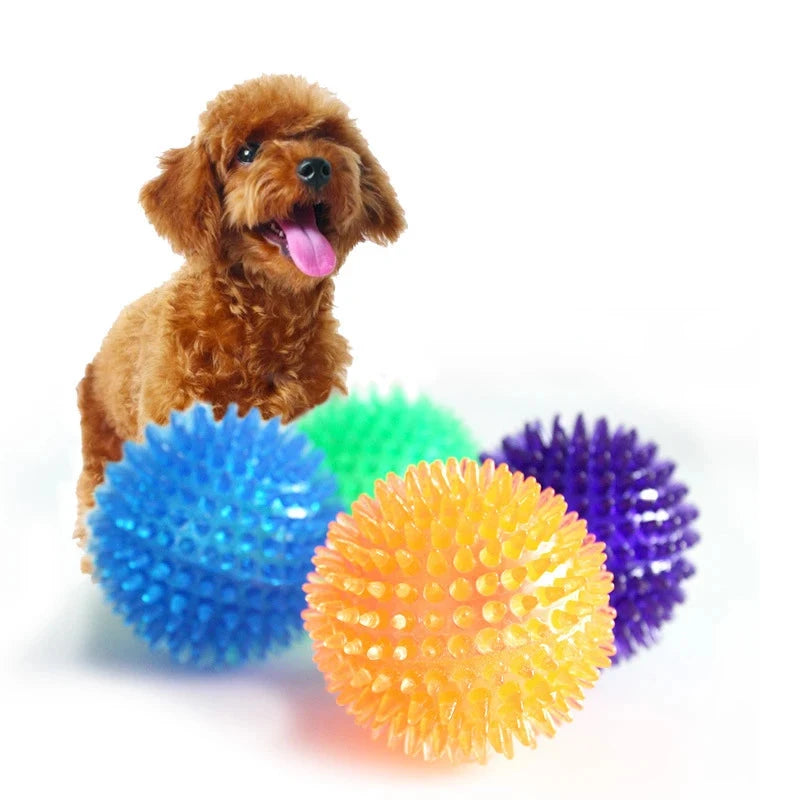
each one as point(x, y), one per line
point(385, 220)
point(183, 203)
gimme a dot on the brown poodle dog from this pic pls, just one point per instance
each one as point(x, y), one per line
point(265, 203)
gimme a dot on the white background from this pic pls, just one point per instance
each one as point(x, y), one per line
point(595, 192)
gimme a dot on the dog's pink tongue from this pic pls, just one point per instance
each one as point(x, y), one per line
point(310, 250)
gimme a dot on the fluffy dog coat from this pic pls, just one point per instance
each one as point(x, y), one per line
point(247, 319)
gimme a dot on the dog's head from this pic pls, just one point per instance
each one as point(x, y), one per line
point(278, 179)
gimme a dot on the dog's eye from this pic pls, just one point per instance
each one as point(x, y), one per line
point(247, 153)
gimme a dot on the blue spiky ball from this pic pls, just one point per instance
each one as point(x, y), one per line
point(203, 533)
point(630, 501)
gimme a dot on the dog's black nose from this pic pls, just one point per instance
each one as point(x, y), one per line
point(315, 172)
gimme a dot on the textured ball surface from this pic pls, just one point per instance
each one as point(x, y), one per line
point(460, 609)
point(203, 534)
point(367, 436)
point(630, 501)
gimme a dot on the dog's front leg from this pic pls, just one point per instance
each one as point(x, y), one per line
point(162, 392)
point(283, 395)
point(292, 394)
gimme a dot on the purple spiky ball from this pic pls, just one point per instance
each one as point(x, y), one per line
point(630, 501)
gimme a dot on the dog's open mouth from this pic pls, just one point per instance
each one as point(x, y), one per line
point(300, 239)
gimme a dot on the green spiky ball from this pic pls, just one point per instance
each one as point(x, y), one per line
point(367, 435)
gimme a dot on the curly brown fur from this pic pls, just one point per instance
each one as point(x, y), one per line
point(239, 322)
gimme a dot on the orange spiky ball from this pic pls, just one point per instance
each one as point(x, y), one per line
point(459, 609)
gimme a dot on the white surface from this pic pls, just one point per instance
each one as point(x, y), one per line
point(592, 194)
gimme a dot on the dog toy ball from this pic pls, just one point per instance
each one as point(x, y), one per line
point(366, 436)
point(459, 609)
point(203, 534)
point(630, 502)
